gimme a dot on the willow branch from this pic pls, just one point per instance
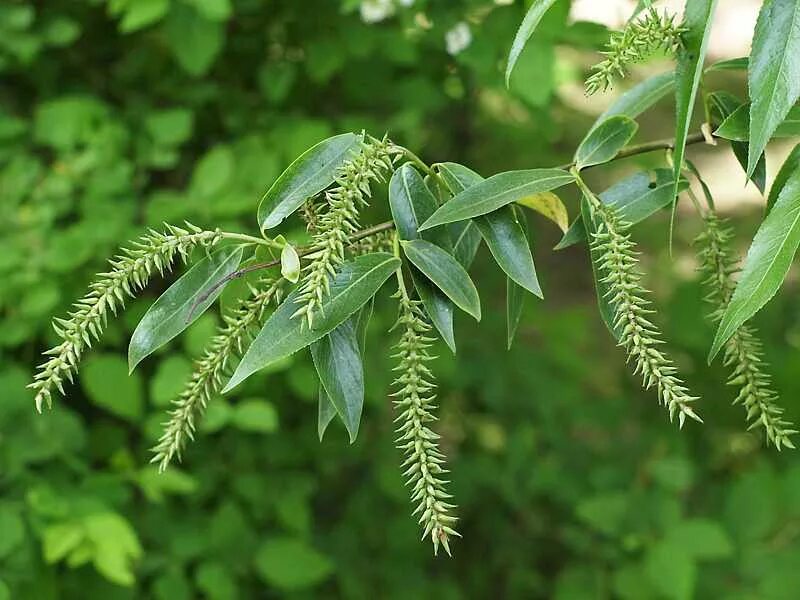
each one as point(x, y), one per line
point(666, 144)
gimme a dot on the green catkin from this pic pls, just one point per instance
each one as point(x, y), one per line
point(130, 272)
point(743, 352)
point(415, 402)
point(616, 258)
point(334, 226)
point(207, 378)
point(639, 40)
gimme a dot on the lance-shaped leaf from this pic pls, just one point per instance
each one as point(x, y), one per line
point(341, 372)
point(446, 273)
point(176, 308)
point(548, 205)
point(737, 126)
point(509, 247)
point(306, 177)
point(352, 286)
point(767, 262)
point(639, 98)
point(605, 141)
point(729, 64)
point(524, 33)
point(326, 408)
point(723, 104)
point(464, 235)
point(412, 203)
point(698, 15)
point(496, 192)
point(515, 296)
point(601, 287)
point(790, 165)
point(635, 198)
point(773, 75)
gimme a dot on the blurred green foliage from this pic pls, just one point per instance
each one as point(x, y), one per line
point(120, 114)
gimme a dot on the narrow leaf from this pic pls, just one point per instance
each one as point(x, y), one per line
point(698, 16)
point(306, 177)
point(729, 64)
point(790, 165)
point(464, 234)
point(352, 286)
point(604, 142)
point(495, 192)
point(338, 362)
point(639, 98)
point(773, 76)
point(548, 205)
point(438, 307)
point(325, 412)
point(524, 33)
point(515, 297)
point(446, 273)
point(509, 247)
point(170, 314)
point(737, 126)
point(767, 262)
point(635, 198)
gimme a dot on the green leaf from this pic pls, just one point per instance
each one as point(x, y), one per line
point(170, 314)
point(515, 296)
point(106, 381)
point(639, 98)
point(604, 141)
point(495, 192)
point(446, 273)
point(170, 127)
point(601, 288)
point(698, 15)
point(701, 539)
point(724, 104)
point(773, 75)
point(671, 571)
point(524, 33)
point(325, 412)
point(412, 203)
point(464, 235)
point(509, 246)
point(194, 40)
point(767, 262)
point(12, 528)
point(789, 166)
point(341, 373)
point(142, 13)
point(257, 416)
point(352, 286)
point(737, 126)
point(729, 64)
point(635, 198)
point(291, 564)
point(307, 176)
point(438, 307)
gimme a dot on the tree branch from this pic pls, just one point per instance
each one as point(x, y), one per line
point(666, 144)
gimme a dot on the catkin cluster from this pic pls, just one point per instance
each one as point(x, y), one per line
point(616, 258)
point(743, 352)
point(207, 378)
point(130, 272)
point(338, 218)
point(415, 402)
point(639, 40)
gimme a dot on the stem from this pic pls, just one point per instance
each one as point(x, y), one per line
point(417, 160)
point(249, 239)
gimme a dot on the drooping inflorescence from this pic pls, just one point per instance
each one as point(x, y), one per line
point(616, 259)
point(208, 376)
point(337, 218)
point(640, 39)
point(130, 272)
point(743, 351)
point(415, 401)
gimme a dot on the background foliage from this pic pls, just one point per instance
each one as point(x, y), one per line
point(122, 114)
